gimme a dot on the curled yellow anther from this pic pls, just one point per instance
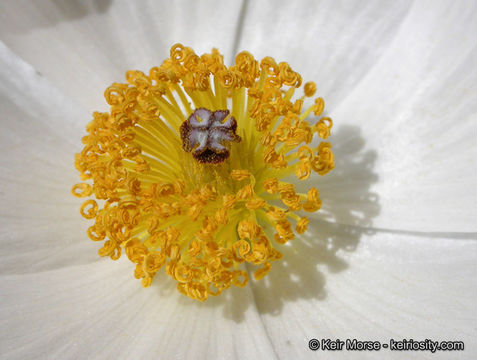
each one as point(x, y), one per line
point(260, 273)
point(310, 89)
point(313, 201)
point(91, 212)
point(240, 174)
point(82, 190)
point(319, 106)
point(302, 225)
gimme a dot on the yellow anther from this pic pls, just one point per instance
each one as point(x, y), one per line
point(111, 249)
point(183, 273)
point(91, 212)
point(260, 273)
point(164, 190)
point(268, 140)
point(269, 66)
point(194, 212)
point(310, 89)
point(195, 248)
point(82, 190)
point(302, 225)
point(240, 174)
point(208, 193)
point(240, 249)
point(284, 231)
point(271, 185)
point(228, 79)
point(95, 233)
point(135, 250)
point(152, 263)
point(303, 170)
point(247, 229)
point(324, 162)
point(305, 153)
point(323, 127)
point(177, 52)
point(134, 186)
point(313, 201)
point(255, 204)
point(246, 192)
point(229, 201)
point(221, 216)
point(276, 214)
point(319, 106)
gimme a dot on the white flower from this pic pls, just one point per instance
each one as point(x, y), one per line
point(392, 253)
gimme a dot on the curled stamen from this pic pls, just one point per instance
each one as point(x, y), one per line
point(82, 190)
point(91, 212)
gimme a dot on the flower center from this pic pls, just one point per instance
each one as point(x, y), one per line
point(207, 134)
point(202, 196)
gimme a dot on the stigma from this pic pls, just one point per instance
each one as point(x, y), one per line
point(208, 134)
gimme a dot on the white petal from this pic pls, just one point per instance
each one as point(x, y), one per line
point(85, 47)
point(417, 112)
point(392, 287)
point(86, 307)
point(41, 131)
point(97, 311)
point(400, 82)
point(334, 44)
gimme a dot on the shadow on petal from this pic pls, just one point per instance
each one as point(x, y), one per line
point(51, 13)
point(347, 213)
point(233, 302)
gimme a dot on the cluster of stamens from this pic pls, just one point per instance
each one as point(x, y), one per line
point(185, 168)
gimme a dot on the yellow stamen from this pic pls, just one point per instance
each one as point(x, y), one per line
point(200, 220)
